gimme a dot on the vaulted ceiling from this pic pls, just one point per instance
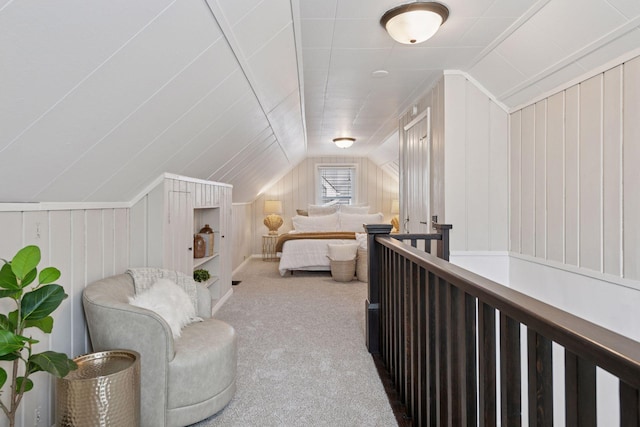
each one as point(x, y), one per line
point(99, 98)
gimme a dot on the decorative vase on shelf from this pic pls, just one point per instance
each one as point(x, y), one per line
point(199, 246)
point(207, 234)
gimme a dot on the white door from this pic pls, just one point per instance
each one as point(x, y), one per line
point(414, 210)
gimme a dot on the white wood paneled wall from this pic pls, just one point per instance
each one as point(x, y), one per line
point(468, 178)
point(574, 175)
point(85, 245)
point(243, 230)
point(297, 189)
point(475, 167)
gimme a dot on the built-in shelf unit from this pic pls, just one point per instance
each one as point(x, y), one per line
point(165, 221)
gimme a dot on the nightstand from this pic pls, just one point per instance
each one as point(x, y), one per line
point(269, 242)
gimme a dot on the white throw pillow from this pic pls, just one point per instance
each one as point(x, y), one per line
point(354, 222)
point(315, 223)
point(361, 238)
point(321, 210)
point(170, 302)
point(354, 209)
point(342, 251)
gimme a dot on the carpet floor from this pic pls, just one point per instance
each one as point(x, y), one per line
point(302, 359)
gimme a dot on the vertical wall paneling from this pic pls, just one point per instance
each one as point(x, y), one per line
point(60, 239)
point(79, 280)
point(477, 147)
point(85, 245)
point(631, 177)
point(590, 173)
point(528, 189)
point(36, 232)
point(571, 171)
point(590, 164)
point(498, 178)
point(515, 172)
point(456, 160)
point(555, 178)
point(612, 169)
point(540, 176)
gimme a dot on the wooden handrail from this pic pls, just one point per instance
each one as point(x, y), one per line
point(433, 322)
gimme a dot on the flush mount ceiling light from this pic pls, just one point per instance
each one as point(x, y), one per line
point(414, 22)
point(344, 142)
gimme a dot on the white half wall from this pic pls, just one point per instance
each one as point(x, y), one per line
point(574, 175)
point(85, 245)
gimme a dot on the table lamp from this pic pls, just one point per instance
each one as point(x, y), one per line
point(395, 210)
point(273, 221)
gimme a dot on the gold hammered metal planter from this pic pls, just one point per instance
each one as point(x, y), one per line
point(103, 391)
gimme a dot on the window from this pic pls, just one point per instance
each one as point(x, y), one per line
point(336, 183)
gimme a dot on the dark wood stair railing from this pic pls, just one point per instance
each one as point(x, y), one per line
point(434, 326)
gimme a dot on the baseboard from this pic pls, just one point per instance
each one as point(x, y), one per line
point(242, 264)
point(221, 301)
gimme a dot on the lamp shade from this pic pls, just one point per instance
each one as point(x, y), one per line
point(414, 22)
point(395, 206)
point(344, 142)
point(272, 207)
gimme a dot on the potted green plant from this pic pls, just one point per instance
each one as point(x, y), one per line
point(201, 275)
point(34, 302)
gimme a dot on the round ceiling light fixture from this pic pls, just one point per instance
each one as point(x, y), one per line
point(344, 142)
point(414, 22)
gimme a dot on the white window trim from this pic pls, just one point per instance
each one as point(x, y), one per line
point(318, 185)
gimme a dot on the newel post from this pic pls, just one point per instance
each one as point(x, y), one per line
point(373, 300)
point(443, 244)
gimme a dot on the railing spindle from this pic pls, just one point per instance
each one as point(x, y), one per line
point(540, 375)
point(487, 364)
point(510, 376)
point(580, 391)
point(629, 405)
point(442, 355)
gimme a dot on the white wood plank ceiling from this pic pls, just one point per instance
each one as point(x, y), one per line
point(97, 99)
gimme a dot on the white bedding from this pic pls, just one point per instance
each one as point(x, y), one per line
point(307, 254)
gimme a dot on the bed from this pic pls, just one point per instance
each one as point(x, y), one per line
point(306, 247)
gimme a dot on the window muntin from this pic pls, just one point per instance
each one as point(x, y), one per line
point(336, 183)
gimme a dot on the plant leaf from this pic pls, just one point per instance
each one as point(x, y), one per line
point(28, 384)
point(10, 357)
point(3, 377)
point(29, 278)
point(10, 293)
point(41, 302)
point(5, 323)
point(25, 260)
point(57, 364)
point(7, 278)
point(45, 325)
point(10, 342)
point(49, 275)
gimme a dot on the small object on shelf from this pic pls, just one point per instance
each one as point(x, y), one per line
point(207, 235)
point(201, 275)
point(199, 246)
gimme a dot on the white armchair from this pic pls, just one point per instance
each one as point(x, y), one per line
point(183, 380)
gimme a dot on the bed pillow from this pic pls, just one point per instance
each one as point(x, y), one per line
point(315, 223)
point(170, 302)
point(302, 212)
point(354, 222)
point(354, 209)
point(321, 210)
point(342, 251)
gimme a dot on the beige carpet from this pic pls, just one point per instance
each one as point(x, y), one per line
point(302, 358)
